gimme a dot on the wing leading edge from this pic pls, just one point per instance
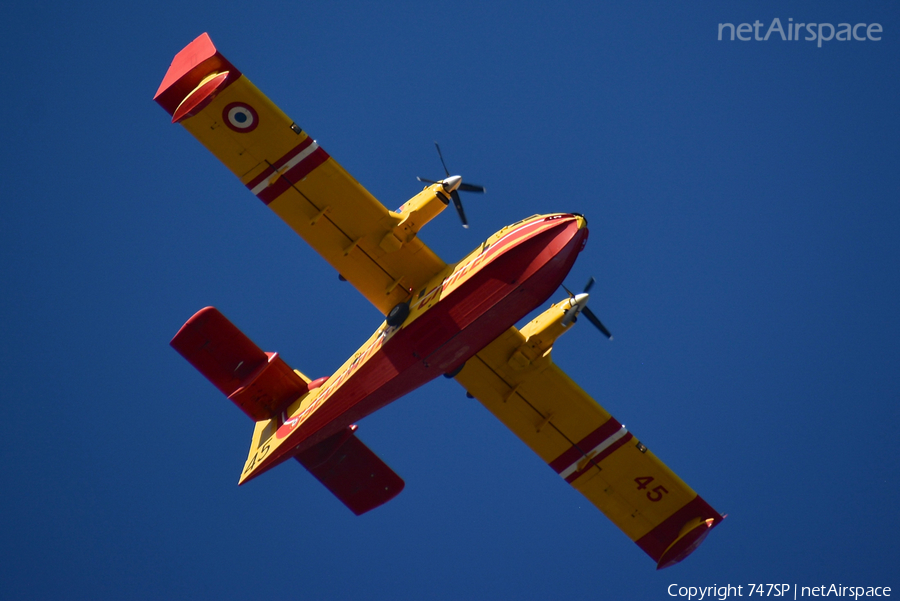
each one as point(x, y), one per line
point(589, 449)
point(294, 176)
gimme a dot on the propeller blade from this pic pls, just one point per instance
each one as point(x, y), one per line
point(447, 171)
point(454, 182)
point(589, 285)
point(458, 204)
point(593, 319)
point(471, 188)
point(459, 208)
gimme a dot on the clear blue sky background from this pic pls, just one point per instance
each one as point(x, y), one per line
point(743, 204)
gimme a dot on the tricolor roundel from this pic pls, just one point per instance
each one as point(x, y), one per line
point(240, 117)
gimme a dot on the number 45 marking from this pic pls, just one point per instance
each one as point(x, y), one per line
point(655, 494)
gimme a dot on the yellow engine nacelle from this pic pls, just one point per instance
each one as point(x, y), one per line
point(541, 333)
point(416, 212)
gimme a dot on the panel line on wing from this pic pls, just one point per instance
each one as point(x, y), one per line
point(263, 182)
point(324, 214)
point(517, 392)
point(571, 464)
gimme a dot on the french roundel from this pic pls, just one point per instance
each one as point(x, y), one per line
point(240, 117)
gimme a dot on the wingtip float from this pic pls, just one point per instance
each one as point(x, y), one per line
point(453, 319)
point(197, 74)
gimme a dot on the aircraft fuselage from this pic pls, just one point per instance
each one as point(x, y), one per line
point(450, 320)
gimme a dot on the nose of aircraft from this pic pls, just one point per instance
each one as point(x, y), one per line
point(580, 219)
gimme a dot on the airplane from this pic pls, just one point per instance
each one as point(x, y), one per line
point(455, 319)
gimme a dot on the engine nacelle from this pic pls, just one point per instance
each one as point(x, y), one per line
point(541, 333)
point(416, 212)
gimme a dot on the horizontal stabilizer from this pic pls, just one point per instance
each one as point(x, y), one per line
point(260, 383)
point(352, 472)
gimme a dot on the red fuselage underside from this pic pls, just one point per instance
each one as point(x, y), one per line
point(441, 339)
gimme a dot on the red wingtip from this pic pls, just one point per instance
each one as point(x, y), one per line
point(680, 534)
point(192, 65)
point(190, 56)
point(686, 544)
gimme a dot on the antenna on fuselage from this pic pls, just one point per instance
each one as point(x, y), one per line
point(453, 184)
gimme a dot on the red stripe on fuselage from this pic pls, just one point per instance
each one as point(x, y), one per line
point(509, 240)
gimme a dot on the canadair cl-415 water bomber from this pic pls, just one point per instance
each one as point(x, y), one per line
point(455, 319)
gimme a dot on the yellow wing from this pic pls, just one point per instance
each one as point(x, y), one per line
point(516, 380)
point(294, 176)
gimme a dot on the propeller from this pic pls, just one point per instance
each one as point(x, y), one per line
point(452, 184)
point(580, 306)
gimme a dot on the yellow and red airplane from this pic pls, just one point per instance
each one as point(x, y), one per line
point(451, 319)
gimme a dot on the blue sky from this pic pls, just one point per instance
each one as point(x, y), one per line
point(743, 205)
